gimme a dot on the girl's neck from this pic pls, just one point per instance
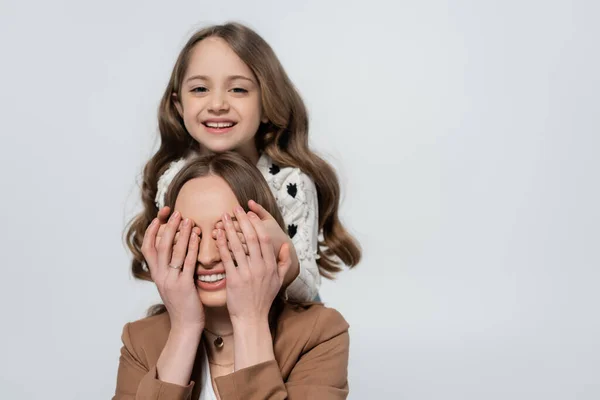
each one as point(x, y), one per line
point(249, 151)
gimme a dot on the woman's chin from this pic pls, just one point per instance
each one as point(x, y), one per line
point(213, 299)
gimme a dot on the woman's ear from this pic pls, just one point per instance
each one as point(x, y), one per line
point(177, 103)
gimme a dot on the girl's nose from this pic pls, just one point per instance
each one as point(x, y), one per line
point(218, 102)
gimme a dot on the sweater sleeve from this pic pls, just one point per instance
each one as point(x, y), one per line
point(299, 205)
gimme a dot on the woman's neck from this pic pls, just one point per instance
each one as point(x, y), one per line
point(218, 321)
point(218, 324)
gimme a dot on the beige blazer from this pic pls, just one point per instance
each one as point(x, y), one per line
point(311, 361)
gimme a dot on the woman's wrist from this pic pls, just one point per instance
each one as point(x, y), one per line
point(177, 358)
point(253, 343)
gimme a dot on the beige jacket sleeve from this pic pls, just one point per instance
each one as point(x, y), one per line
point(136, 381)
point(320, 373)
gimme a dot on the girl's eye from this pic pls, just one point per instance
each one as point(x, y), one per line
point(239, 90)
point(199, 90)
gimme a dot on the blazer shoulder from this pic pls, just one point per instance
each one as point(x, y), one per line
point(312, 323)
point(147, 333)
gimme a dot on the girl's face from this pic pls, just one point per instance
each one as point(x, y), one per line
point(204, 200)
point(220, 100)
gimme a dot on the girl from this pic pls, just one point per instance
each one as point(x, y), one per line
point(223, 332)
point(229, 92)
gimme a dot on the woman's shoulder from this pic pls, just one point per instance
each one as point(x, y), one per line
point(310, 323)
point(147, 333)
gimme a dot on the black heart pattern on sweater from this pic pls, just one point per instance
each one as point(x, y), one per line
point(292, 229)
point(292, 189)
point(274, 169)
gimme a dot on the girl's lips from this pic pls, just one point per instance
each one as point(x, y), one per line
point(217, 131)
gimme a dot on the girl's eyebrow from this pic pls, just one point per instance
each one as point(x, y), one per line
point(200, 77)
point(229, 78)
point(234, 77)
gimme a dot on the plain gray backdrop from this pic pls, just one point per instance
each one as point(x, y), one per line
point(465, 134)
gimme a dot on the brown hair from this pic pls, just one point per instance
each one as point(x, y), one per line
point(284, 138)
point(246, 182)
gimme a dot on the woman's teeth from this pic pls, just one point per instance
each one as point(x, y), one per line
point(211, 278)
point(219, 124)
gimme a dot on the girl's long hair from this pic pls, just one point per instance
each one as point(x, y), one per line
point(284, 138)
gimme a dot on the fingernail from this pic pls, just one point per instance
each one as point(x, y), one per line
point(226, 217)
point(238, 209)
point(154, 221)
point(186, 222)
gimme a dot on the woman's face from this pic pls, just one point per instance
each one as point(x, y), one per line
point(204, 200)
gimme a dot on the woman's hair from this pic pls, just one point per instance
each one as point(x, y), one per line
point(284, 138)
point(244, 179)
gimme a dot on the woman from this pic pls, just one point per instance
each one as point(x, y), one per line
point(224, 330)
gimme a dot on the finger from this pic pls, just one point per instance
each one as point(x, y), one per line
point(161, 232)
point(236, 246)
point(244, 246)
point(148, 245)
point(250, 234)
point(220, 225)
point(259, 210)
point(226, 259)
point(165, 247)
point(240, 235)
point(264, 240)
point(163, 214)
point(180, 249)
point(189, 265)
point(284, 261)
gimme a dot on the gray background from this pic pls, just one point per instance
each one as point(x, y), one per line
point(465, 134)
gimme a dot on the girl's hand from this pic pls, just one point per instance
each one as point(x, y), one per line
point(255, 282)
point(278, 236)
point(172, 268)
point(163, 216)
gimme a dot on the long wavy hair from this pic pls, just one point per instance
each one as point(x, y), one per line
point(284, 138)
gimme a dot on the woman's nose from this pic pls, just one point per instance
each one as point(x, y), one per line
point(208, 255)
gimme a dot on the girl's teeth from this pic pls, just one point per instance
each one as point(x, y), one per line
point(219, 124)
point(211, 278)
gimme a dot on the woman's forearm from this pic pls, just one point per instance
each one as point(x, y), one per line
point(177, 358)
point(253, 343)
